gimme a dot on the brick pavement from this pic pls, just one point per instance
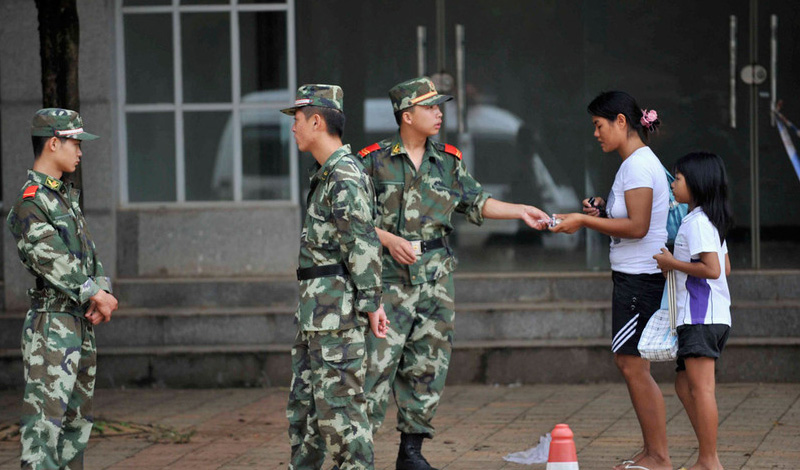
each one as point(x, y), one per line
point(477, 424)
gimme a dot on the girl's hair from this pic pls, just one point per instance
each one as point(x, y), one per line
point(610, 104)
point(707, 180)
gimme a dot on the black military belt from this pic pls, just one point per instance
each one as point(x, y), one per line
point(321, 271)
point(422, 246)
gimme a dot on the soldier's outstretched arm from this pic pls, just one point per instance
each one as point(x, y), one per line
point(361, 249)
point(472, 198)
point(49, 257)
point(533, 216)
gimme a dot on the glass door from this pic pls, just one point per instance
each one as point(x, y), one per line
point(523, 74)
point(770, 36)
point(531, 70)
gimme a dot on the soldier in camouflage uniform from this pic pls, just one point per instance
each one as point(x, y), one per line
point(340, 292)
point(419, 184)
point(72, 294)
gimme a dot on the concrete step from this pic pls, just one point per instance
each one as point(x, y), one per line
point(580, 361)
point(283, 290)
point(470, 287)
point(135, 327)
point(246, 292)
point(474, 321)
point(782, 285)
point(529, 327)
point(561, 320)
point(745, 285)
point(495, 361)
point(206, 292)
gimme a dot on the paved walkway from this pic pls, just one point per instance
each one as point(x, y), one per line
point(477, 425)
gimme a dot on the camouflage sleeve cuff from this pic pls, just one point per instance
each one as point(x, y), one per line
point(367, 301)
point(475, 213)
point(104, 283)
point(88, 290)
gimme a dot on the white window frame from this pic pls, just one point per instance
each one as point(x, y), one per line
point(177, 107)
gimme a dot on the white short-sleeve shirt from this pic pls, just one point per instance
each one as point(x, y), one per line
point(701, 301)
point(642, 169)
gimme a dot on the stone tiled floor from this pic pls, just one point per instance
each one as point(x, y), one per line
point(477, 425)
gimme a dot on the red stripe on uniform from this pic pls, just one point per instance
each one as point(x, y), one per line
point(368, 150)
point(452, 150)
point(30, 191)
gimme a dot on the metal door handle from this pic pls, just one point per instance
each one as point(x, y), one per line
point(732, 102)
point(773, 66)
point(422, 39)
point(461, 80)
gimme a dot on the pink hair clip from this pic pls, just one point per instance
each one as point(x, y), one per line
point(648, 118)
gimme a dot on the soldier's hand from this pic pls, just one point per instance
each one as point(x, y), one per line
point(401, 250)
point(93, 315)
point(105, 303)
point(378, 322)
point(95, 318)
point(535, 217)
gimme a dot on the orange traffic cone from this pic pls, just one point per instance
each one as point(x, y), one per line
point(562, 449)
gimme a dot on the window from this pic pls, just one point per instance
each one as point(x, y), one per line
point(200, 86)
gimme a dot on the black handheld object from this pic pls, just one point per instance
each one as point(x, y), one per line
point(602, 209)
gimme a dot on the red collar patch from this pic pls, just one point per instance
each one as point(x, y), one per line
point(452, 150)
point(30, 192)
point(368, 150)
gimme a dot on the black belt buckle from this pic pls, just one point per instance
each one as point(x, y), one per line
point(424, 246)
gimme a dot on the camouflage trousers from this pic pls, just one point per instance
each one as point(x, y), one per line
point(412, 361)
point(327, 408)
point(60, 360)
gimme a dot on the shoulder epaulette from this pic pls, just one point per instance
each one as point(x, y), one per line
point(368, 150)
point(452, 150)
point(30, 191)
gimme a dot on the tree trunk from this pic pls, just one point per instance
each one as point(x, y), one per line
point(59, 38)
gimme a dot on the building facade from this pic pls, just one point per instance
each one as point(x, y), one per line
point(197, 174)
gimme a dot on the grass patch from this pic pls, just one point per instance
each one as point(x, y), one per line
point(109, 429)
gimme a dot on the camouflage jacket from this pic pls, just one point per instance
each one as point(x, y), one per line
point(55, 245)
point(418, 205)
point(338, 228)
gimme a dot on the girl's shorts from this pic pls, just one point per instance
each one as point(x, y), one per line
point(700, 341)
point(636, 297)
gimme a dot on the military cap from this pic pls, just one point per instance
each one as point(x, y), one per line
point(416, 91)
point(59, 122)
point(324, 96)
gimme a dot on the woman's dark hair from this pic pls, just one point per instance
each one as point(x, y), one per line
point(334, 119)
point(610, 104)
point(707, 180)
point(39, 143)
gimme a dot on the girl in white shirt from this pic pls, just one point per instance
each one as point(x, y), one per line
point(635, 217)
point(704, 315)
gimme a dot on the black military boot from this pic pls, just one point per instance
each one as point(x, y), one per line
point(410, 455)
